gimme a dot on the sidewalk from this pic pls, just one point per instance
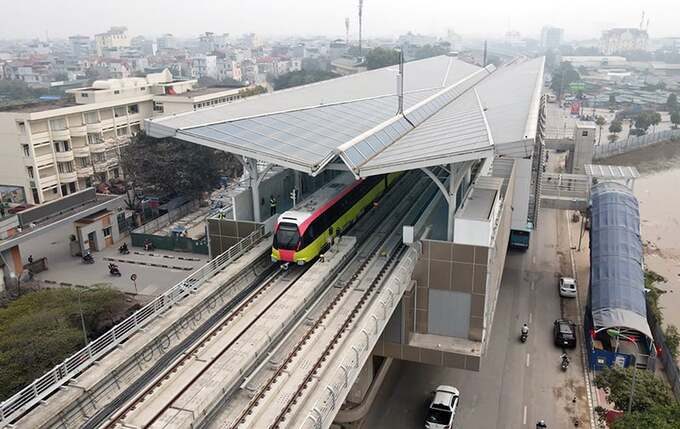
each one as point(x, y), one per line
point(156, 271)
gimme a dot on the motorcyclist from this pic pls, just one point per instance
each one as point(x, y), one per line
point(541, 424)
point(525, 330)
point(123, 248)
point(564, 357)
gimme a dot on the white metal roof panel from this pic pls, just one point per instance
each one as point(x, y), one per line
point(435, 72)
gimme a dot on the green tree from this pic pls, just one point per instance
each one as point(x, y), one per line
point(562, 77)
point(40, 329)
point(255, 90)
point(649, 390)
point(612, 138)
point(643, 122)
point(428, 51)
point(301, 77)
point(615, 127)
point(164, 166)
point(672, 102)
point(675, 119)
point(600, 121)
point(655, 119)
point(381, 57)
point(658, 417)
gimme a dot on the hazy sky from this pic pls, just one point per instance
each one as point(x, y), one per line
point(579, 18)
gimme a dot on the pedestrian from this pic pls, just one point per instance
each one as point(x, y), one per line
point(30, 259)
point(272, 205)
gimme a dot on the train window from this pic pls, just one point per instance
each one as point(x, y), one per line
point(287, 236)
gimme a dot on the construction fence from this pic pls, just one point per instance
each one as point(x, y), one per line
point(147, 233)
point(634, 142)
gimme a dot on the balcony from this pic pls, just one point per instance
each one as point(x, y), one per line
point(60, 134)
point(84, 172)
point(64, 156)
point(112, 162)
point(98, 147)
point(78, 130)
point(48, 181)
point(100, 167)
point(94, 128)
point(81, 151)
point(44, 160)
point(40, 138)
point(71, 176)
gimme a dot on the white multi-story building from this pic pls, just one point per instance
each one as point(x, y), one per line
point(228, 68)
point(551, 37)
point(115, 38)
point(621, 40)
point(204, 66)
point(55, 149)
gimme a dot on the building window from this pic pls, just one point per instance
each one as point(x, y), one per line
point(142, 88)
point(36, 196)
point(116, 173)
point(122, 132)
point(584, 133)
point(64, 190)
point(62, 146)
point(119, 111)
point(83, 162)
point(107, 232)
point(65, 167)
point(58, 124)
point(94, 139)
point(91, 117)
point(72, 187)
point(133, 108)
point(84, 94)
point(99, 157)
point(116, 91)
point(22, 127)
point(27, 151)
point(158, 107)
point(30, 172)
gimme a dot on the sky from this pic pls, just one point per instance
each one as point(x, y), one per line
point(581, 19)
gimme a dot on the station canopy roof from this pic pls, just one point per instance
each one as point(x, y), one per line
point(452, 111)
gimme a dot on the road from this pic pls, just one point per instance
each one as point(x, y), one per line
point(518, 383)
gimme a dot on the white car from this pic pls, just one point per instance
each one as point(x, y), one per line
point(567, 287)
point(443, 408)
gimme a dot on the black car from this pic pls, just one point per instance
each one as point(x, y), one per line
point(564, 333)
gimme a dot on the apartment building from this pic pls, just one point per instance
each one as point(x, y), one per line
point(53, 149)
point(115, 38)
point(621, 40)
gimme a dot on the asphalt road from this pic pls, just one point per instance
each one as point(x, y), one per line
point(518, 383)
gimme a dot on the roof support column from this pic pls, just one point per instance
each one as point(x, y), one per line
point(449, 196)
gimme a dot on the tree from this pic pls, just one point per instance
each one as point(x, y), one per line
point(428, 51)
point(562, 77)
point(301, 77)
point(655, 119)
point(255, 90)
point(165, 166)
point(649, 390)
point(600, 121)
point(615, 127)
point(40, 329)
point(612, 138)
point(675, 119)
point(672, 102)
point(381, 57)
point(643, 121)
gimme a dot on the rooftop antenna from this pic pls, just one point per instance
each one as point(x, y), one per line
point(361, 6)
point(400, 82)
point(347, 31)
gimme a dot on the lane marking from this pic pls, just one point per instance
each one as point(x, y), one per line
point(528, 359)
point(530, 318)
point(524, 419)
point(532, 285)
point(533, 260)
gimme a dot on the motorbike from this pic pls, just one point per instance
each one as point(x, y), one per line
point(88, 259)
point(113, 270)
point(148, 246)
point(123, 249)
point(523, 337)
point(565, 363)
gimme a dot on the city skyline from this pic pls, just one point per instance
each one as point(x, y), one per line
point(382, 18)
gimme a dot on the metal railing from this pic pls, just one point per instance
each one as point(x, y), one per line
point(634, 142)
point(42, 387)
point(372, 325)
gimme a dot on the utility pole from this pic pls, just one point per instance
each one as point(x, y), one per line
point(361, 6)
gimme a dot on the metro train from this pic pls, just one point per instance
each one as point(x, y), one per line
point(302, 233)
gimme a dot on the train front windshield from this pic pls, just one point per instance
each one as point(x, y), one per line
point(287, 237)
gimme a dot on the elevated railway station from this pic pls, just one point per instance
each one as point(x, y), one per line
point(420, 173)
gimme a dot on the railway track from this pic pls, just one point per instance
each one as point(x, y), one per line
point(222, 335)
point(371, 264)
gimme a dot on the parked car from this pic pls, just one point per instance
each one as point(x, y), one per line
point(19, 208)
point(443, 408)
point(564, 333)
point(567, 287)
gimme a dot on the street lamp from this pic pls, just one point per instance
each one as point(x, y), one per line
point(617, 334)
